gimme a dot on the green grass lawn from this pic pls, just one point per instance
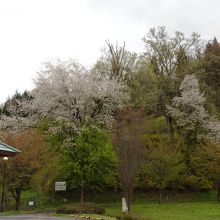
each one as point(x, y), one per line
point(188, 206)
point(171, 211)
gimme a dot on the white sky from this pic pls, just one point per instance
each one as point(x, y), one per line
point(33, 31)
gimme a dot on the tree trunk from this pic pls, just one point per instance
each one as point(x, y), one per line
point(128, 196)
point(218, 194)
point(170, 129)
point(82, 194)
point(161, 196)
point(128, 203)
point(3, 188)
point(16, 193)
point(18, 199)
point(188, 152)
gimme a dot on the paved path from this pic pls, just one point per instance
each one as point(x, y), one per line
point(34, 217)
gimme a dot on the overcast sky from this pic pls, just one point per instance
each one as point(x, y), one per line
point(34, 31)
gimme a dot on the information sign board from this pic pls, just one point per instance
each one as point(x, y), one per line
point(60, 186)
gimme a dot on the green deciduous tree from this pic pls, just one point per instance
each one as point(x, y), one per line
point(89, 160)
point(143, 89)
point(163, 163)
point(210, 77)
point(168, 56)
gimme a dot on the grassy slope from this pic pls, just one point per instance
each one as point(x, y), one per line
point(172, 211)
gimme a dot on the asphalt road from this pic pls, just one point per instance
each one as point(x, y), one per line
point(34, 217)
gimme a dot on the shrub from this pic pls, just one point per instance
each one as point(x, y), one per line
point(132, 217)
point(80, 208)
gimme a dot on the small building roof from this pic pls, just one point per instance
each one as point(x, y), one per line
point(6, 150)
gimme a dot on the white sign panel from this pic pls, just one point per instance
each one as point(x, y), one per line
point(124, 205)
point(60, 186)
point(31, 203)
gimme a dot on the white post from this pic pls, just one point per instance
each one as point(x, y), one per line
point(124, 205)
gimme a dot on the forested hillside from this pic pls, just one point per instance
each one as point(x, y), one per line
point(148, 121)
